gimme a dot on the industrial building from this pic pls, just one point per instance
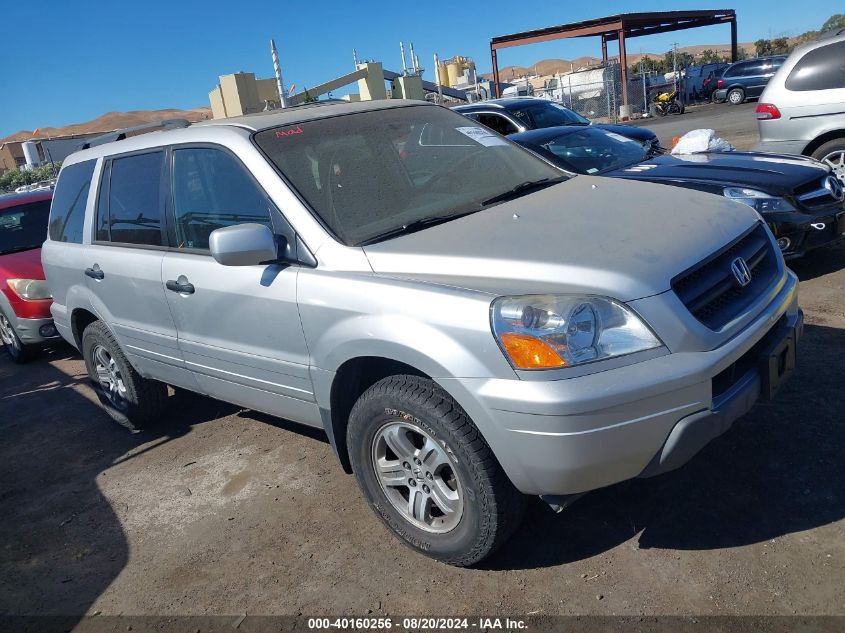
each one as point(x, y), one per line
point(37, 151)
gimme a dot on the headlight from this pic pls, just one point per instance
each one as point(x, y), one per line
point(551, 331)
point(759, 200)
point(30, 289)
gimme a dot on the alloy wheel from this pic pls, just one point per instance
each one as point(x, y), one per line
point(8, 336)
point(418, 476)
point(836, 160)
point(108, 373)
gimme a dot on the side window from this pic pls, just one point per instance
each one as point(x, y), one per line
point(497, 123)
point(67, 214)
point(737, 70)
point(130, 204)
point(211, 190)
point(820, 69)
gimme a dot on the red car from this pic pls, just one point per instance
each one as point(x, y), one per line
point(25, 321)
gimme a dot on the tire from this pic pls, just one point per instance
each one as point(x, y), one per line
point(735, 96)
point(833, 153)
point(17, 350)
point(132, 401)
point(409, 412)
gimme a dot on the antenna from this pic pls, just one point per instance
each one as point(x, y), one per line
point(355, 57)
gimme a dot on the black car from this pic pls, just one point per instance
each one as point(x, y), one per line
point(799, 198)
point(700, 81)
point(746, 79)
point(520, 114)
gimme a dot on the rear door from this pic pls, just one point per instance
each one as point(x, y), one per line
point(757, 75)
point(239, 327)
point(123, 265)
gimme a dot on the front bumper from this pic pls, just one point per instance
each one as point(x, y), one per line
point(569, 436)
point(806, 232)
point(33, 331)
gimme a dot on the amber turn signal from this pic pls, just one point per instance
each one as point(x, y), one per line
point(529, 352)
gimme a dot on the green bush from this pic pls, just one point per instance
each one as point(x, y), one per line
point(14, 178)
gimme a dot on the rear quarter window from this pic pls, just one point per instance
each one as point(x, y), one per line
point(820, 69)
point(67, 213)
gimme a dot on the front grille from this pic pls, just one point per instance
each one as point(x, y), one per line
point(709, 289)
point(816, 194)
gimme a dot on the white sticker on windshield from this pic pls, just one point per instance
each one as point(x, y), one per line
point(619, 137)
point(592, 170)
point(482, 136)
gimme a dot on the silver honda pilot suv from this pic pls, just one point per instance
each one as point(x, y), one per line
point(466, 325)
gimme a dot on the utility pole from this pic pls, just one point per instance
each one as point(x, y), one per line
point(437, 79)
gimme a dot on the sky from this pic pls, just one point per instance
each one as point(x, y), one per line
point(71, 61)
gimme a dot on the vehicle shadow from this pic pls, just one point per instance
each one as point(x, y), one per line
point(825, 260)
point(777, 471)
point(63, 543)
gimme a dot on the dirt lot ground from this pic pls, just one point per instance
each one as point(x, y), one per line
point(223, 511)
point(738, 124)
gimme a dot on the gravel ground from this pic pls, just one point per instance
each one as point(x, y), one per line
point(224, 511)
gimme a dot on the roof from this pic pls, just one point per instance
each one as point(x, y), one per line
point(217, 129)
point(505, 103)
point(633, 25)
point(15, 199)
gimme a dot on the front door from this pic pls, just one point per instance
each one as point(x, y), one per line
point(238, 326)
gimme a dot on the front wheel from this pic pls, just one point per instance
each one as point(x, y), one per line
point(15, 348)
point(428, 473)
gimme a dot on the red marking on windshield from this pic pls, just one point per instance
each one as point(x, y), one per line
point(291, 132)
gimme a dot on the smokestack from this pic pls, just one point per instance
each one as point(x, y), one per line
point(414, 59)
point(404, 65)
point(283, 98)
point(437, 78)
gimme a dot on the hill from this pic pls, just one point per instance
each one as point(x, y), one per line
point(112, 121)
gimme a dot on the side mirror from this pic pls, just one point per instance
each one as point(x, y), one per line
point(243, 245)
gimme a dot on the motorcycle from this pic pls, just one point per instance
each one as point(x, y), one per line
point(668, 103)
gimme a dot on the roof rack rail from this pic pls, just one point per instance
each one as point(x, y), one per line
point(119, 135)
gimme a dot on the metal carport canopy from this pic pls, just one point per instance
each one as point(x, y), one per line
point(618, 27)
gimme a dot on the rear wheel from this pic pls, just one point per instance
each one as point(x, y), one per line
point(428, 473)
point(15, 348)
point(129, 399)
point(833, 153)
point(736, 96)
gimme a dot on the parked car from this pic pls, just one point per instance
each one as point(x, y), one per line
point(746, 79)
point(799, 198)
point(515, 115)
point(802, 110)
point(467, 329)
point(25, 321)
point(700, 81)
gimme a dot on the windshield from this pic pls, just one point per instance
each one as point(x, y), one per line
point(551, 114)
point(593, 150)
point(23, 227)
point(370, 173)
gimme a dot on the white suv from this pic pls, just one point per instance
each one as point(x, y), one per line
point(802, 110)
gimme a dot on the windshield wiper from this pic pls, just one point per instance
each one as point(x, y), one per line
point(523, 188)
point(416, 225)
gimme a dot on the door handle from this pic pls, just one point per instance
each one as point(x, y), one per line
point(180, 287)
point(95, 273)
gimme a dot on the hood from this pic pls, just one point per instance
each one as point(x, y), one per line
point(588, 235)
point(22, 265)
point(629, 131)
point(772, 173)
